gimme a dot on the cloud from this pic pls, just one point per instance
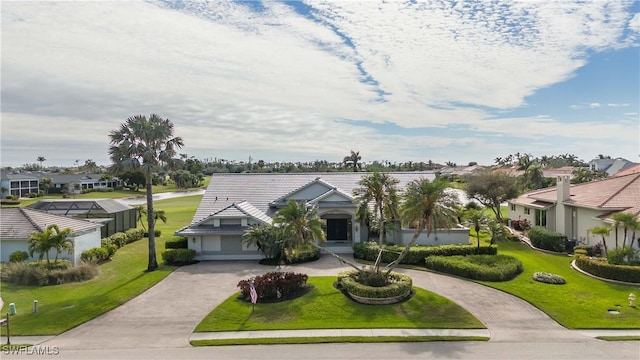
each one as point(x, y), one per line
point(278, 80)
point(594, 105)
point(617, 105)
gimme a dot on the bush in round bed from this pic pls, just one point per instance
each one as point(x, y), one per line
point(369, 287)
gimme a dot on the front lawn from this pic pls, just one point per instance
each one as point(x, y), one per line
point(580, 304)
point(324, 307)
point(62, 307)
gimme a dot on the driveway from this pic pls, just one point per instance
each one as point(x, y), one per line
point(165, 315)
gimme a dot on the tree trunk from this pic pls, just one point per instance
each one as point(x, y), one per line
point(404, 252)
point(381, 237)
point(624, 239)
point(604, 244)
point(153, 263)
point(498, 211)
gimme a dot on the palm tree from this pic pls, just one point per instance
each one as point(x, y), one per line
point(380, 189)
point(45, 184)
point(269, 239)
point(603, 231)
point(627, 220)
point(41, 160)
point(143, 144)
point(425, 204)
point(534, 177)
point(477, 219)
point(353, 160)
point(141, 211)
point(52, 238)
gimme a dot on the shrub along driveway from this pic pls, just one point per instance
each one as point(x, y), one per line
point(165, 315)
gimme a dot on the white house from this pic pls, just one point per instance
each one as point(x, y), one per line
point(233, 202)
point(17, 224)
point(574, 210)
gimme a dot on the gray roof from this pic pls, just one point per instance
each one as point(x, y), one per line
point(80, 206)
point(19, 223)
point(5, 175)
point(70, 178)
point(260, 190)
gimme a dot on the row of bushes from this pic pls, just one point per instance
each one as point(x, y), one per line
point(545, 239)
point(477, 267)
point(37, 275)
point(179, 257)
point(110, 244)
point(417, 254)
point(400, 284)
point(273, 285)
point(120, 239)
point(177, 242)
point(601, 268)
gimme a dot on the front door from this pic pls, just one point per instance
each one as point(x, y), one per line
point(338, 229)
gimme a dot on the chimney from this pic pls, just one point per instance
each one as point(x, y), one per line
point(563, 185)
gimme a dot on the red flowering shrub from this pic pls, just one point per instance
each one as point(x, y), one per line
point(274, 285)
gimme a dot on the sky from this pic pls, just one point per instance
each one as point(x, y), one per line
point(438, 80)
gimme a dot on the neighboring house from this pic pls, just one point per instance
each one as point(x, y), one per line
point(632, 170)
point(610, 166)
point(79, 182)
point(574, 210)
point(17, 224)
point(560, 171)
point(18, 184)
point(115, 216)
point(234, 202)
point(458, 170)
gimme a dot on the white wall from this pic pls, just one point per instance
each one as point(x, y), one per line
point(441, 237)
point(9, 246)
point(84, 242)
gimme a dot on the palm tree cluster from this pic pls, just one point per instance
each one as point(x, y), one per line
point(51, 238)
point(630, 225)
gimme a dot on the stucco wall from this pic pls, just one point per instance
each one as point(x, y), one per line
point(81, 243)
point(441, 237)
point(85, 242)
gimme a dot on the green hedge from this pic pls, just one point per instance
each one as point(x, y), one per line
point(545, 239)
point(401, 285)
point(179, 256)
point(301, 255)
point(605, 270)
point(177, 242)
point(477, 267)
point(96, 254)
point(417, 254)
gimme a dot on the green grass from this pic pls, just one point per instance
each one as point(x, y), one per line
point(334, 339)
point(619, 338)
point(324, 307)
point(63, 307)
point(580, 304)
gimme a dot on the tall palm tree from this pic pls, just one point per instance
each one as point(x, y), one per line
point(626, 220)
point(603, 231)
point(60, 240)
point(477, 219)
point(353, 160)
point(380, 189)
point(41, 160)
point(144, 144)
point(426, 205)
point(51, 238)
point(141, 211)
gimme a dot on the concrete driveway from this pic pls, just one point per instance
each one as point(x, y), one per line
point(165, 315)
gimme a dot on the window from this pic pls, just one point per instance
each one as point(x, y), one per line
point(541, 217)
point(513, 207)
point(527, 211)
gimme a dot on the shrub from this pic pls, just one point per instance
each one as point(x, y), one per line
point(618, 256)
point(134, 235)
point(53, 265)
point(601, 268)
point(157, 232)
point(580, 252)
point(119, 238)
point(111, 249)
point(400, 285)
point(9, 201)
point(372, 278)
point(549, 278)
point(96, 254)
point(18, 256)
point(274, 285)
point(23, 274)
point(179, 257)
point(176, 242)
point(301, 255)
point(543, 238)
point(417, 254)
point(477, 267)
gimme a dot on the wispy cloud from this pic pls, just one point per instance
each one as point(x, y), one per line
point(276, 79)
point(617, 105)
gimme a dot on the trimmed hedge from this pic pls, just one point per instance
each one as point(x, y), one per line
point(177, 242)
point(96, 254)
point(605, 270)
point(179, 257)
point(301, 255)
point(545, 239)
point(477, 267)
point(549, 278)
point(23, 274)
point(401, 285)
point(273, 285)
point(417, 254)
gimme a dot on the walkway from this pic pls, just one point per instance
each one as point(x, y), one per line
point(165, 315)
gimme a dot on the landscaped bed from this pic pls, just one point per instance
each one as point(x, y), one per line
point(325, 307)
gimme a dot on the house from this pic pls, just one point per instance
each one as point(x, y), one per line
point(234, 202)
point(18, 184)
point(574, 210)
point(17, 224)
point(115, 216)
point(610, 166)
point(628, 171)
point(79, 182)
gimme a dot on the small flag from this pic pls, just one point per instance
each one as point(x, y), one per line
point(253, 293)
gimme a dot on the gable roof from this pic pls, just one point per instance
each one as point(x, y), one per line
point(260, 190)
point(620, 193)
point(631, 170)
point(19, 223)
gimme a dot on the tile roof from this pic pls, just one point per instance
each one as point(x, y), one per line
point(620, 193)
point(259, 190)
point(631, 170)
point(19, 223)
